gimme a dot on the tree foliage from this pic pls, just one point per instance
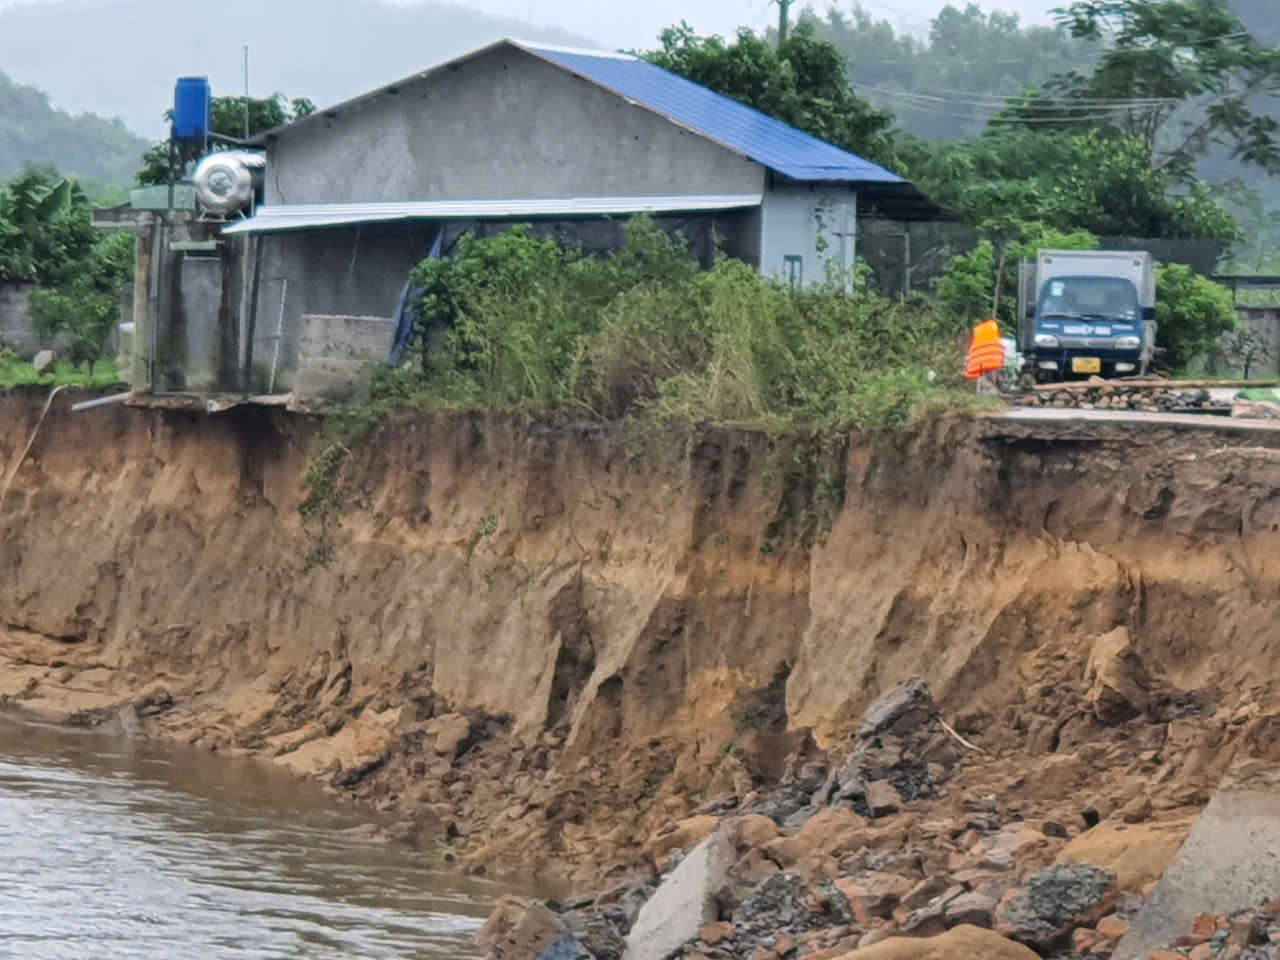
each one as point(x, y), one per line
point(228, 118)
point(946, 84)
point(81, 312)
point(45, 230)
point(803, 81)
point(47, 238)
point(1181, 76)
point(1069, 181)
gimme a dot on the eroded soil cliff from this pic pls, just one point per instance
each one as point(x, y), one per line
point(543, 646)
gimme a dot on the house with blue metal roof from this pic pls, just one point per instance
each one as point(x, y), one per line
point(570, 140)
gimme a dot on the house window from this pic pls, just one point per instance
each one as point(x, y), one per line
point(793, 270)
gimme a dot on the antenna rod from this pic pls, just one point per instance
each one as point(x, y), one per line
point(246, 91)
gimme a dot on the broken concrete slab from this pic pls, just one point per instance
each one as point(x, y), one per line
point(1230, 860)
point(684, 902)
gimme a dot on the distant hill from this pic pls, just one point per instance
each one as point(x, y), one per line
point(32, 131)
point(121, 57)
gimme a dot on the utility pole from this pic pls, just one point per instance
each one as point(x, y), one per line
point(246, 91)
point(784, 12)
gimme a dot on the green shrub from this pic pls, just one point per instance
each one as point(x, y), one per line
point(1193, 313)
point(518, 322)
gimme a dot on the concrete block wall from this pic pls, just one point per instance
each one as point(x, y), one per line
point(335, 352)
point(1266, 321)
point(16, 329)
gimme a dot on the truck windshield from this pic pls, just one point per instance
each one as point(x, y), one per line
point(1111, 298)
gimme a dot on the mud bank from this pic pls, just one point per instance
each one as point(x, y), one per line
point(543, 649)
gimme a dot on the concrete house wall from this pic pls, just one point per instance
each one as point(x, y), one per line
point(361, 272)
point(356, 271)
point(813, 223)
point(505, 124)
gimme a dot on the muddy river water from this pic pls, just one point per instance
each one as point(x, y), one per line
point(117, 850)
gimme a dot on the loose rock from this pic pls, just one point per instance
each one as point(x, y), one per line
point(873, 894)
point(566, 947)
point(1054, 902)
point(450, 731)
point(959, 943)
point(1119, 681)
point(902, 743)
point(519, 929)
point(975, 909)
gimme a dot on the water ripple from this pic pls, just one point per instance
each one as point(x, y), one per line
point(112, 851)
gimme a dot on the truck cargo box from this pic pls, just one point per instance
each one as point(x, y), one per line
point(1135, 265)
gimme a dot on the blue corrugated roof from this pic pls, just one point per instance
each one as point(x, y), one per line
point(761, 138)
point(767, 141)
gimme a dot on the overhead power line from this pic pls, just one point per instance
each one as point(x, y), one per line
point(926, 22)
point(764, 12)
point(1000, 101)
point(1061, 113)
point(995, 118)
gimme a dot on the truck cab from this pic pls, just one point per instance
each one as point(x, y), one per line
point(1084, 315)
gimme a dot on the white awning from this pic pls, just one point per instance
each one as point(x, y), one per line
point(282, 217)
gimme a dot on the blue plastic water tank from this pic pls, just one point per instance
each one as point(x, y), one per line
point(192, 108)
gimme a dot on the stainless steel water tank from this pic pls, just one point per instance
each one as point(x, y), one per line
point(226, 181)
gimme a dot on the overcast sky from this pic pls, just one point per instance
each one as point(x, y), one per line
point(331, 50)
point(634, 23)
point(628, 23)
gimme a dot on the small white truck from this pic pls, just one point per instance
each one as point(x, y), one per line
point(1087, 312)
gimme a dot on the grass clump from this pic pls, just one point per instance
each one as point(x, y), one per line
point(15, 372)
point(518, 322)
point(1258, 395)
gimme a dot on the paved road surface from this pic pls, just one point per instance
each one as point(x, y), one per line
point(1071, 415)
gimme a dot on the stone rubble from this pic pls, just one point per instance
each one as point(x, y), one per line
point(902, 754)
point(1102, 395)
point(1249, 934)
point(834, 874)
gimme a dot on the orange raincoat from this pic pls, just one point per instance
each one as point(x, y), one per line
point(986, 352)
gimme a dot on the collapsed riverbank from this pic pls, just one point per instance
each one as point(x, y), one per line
point(546, 648)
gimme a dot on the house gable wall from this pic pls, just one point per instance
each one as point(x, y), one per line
point(505, 124)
